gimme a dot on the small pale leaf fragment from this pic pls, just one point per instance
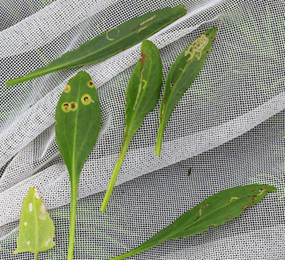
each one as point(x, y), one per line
point(34, 231)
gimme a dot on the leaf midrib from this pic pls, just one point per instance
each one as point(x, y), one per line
point(73, 174)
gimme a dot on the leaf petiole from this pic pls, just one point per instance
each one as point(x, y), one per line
point(115, 173)
point(74, 188)
point(159, 139)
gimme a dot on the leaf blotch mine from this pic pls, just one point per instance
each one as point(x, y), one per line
point(86, 99)
point(196, 48)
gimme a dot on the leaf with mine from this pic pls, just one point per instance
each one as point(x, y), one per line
point(77, 127)
point(109, 43)
point(142, 95)
point(214, 211)
point(36, 230)
point(180, 77)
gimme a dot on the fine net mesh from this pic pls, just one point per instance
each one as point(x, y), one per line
point(228, 128)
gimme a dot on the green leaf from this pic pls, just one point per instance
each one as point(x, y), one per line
point(214, 211)
point(77, 127)
point(109, 43)
point(36, 228)
point(180, 77)
point(142, 95)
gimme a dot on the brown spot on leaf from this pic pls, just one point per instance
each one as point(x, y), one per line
point(143, 58)
point(245, 207)
point(73, 106)
point(228, 217)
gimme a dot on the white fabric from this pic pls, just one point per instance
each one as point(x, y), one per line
point(228, 128)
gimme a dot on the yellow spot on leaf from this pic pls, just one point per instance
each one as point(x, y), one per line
point(65, 107)
point(86, 99)
point(28, 242)
point(67, 89)
point(73, 106)
point(30, 207)
point(90, 84)
point(25, 223)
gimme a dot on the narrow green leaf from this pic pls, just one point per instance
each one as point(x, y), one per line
point(214, 211)
point(180, 77)
point(142, 95)
point(109, 43)
point(77, 127)
point(36, 230)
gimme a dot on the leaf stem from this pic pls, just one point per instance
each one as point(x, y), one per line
point(115, 173)
point(74, 187)
point(36, 255)
point(159, 139)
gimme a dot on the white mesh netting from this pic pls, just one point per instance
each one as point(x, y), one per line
point(228, 128)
